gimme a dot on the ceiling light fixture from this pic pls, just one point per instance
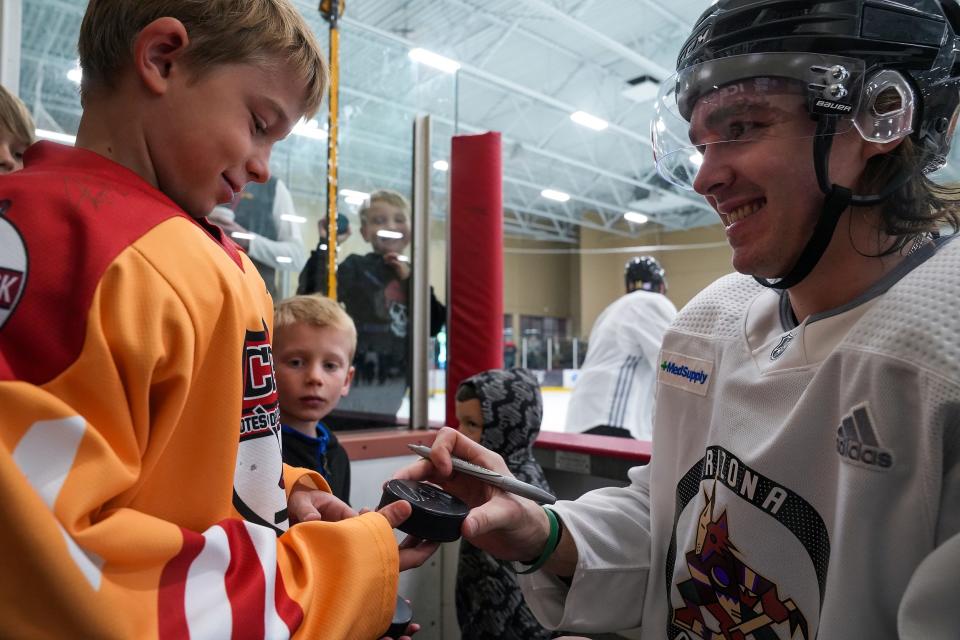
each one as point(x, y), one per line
point(75, 74)
point(441, 165)
point(584, 119)
point(553, 194)
point(642, 88)
point(292, 218)
point(56, 136)
point(636, 218)
point(354, 197)
point(389, 235)
point(434, 60)
point(309, 129)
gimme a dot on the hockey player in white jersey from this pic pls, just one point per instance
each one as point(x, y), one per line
point(613, 394)
point(805, 479)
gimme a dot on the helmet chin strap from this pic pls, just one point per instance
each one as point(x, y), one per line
point(835, 203)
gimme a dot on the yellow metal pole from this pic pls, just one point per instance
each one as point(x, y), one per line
point(333, 131)
point(332, 10)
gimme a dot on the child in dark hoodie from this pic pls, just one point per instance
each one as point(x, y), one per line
point(501, 409)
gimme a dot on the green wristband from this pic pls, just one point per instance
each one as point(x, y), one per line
point(552, 541)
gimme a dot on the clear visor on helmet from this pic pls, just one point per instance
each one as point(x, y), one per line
point(749, 98)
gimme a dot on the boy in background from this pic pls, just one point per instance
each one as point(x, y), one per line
point(500, 409)
point(144, 492)
point(313, 344)
point(16, 131)
point(375, 290)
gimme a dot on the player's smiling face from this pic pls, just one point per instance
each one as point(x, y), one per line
point(758, 174)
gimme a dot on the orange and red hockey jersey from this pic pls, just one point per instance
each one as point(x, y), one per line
point(143, 490)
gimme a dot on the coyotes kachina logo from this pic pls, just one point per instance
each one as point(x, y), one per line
point(725, 595)
point(13, 265)
point(258, 481)
point(723, 586)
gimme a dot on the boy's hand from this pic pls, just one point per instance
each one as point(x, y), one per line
point(402, 268)
point(413, 551)
point(506, 525)
point(306, 504)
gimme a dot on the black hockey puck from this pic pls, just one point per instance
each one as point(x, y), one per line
point(402, 616)
point(436, 516)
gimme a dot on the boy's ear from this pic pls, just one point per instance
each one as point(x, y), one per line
point(346, 388)
point(158, 46)
point(364, 231)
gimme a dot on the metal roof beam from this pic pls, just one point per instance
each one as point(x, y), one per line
point(476, 73)
point(507, 141)
point(620, 49)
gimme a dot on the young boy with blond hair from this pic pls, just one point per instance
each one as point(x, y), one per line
point(140, 464)
point(313, 344)
point(375, 290)
point(16, 131)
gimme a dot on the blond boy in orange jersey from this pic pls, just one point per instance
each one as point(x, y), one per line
point(144, 494)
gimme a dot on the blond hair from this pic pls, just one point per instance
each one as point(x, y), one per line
point(15, 118)
point(259, 32)
point(385, 195)
point(317, 311)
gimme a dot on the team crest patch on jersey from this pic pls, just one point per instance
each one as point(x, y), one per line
point(684, 372)
point(724, 596)
point(258, 481)
point(719, 592)
point(14, 263)
point(858, 444)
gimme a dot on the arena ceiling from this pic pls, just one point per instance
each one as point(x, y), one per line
point(525, 67)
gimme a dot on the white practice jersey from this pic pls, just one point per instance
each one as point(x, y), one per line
point(805, 480)
point(616, 383)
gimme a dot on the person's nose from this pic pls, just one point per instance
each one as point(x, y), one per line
point(258, 164)
point(315, 374)
point(715, 172)
point(8, 163)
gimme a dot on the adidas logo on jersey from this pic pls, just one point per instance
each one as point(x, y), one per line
point(857, 441)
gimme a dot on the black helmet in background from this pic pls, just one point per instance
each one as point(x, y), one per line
point(889, 68)
point(644, 272)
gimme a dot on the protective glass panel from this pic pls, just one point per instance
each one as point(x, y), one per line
point(381, 91)
point(749, 98)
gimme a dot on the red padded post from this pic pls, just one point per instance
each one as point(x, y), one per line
point(475, 290)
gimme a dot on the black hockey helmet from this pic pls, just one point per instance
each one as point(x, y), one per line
point(846, 58)
point(644, 272)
